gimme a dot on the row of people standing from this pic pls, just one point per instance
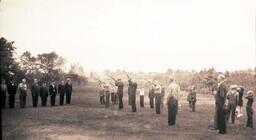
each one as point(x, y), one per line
point(42, 91)
point(157, 96)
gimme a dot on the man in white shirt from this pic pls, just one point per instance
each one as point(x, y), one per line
point(158, 96)
point(23, 93)
point(171, 100)
point(141, 91)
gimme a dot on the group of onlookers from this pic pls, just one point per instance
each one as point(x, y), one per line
point(37, 90)
point(228, 101)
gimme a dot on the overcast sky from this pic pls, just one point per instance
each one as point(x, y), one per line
point(146, 35)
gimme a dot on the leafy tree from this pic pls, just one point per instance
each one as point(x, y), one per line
point(8, 65)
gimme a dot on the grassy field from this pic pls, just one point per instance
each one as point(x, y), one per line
point(86, 119)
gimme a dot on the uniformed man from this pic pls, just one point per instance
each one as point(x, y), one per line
point(129, 93)
point(249, 109)
point(191, 98)
point(53, 92)
point(133, 89)
point(162, 96)
point(120, 90)
point(68, 89)
point(171, 100)
point(151, 96)
point(35, 91)
point(44, 94)
point(23, 93)
point(3, 93)
point(158, 96)
point(220, 101)
point(107, 94)
point(61, 91)
point(141, 92)
point(12, 89)
point(232, 98)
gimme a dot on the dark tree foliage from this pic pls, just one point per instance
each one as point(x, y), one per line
point(9, 66)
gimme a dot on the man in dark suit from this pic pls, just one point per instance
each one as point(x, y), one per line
point(61, 91)
point(68, 89)
point(12, 89)
point(53, 92)
point(220, 101)
point(120, 88)
point(151, 96)
point(133, 88)
point(44, 94)
point(35, 91)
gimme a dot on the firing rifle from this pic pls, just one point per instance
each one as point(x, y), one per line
point(112, 77)
point(127, 75)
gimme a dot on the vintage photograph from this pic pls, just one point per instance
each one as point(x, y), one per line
point(128, 69)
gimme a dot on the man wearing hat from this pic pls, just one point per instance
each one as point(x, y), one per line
point(35, 91)
point(68, 89)
point(232, 98)
point(220, 101)
point(23, 93)
point(120, 88)
point(171, 100)
point(249, 109)
point(158, 96)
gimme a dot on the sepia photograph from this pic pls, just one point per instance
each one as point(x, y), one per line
point(128, 69)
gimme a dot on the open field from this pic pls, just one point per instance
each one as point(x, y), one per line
point(86, 119)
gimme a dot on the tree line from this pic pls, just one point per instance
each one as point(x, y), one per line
point(45, 67)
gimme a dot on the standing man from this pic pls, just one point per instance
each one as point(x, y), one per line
point(232, 97)
point(101, 94)
point(191, 98)
point(240, 90)
point(44, 94)
point(141, 91)
point(3, 93)
point(220, 101)
point(53, 92)
point(158, 96)
point(151, 96)
point(162, 95)
point(68, 89)
point(12, 88)
point(249, 109)
point(129, 93)
point(61, 91)
point(112, 94)
point(107, 94)
point(133, 89)
point(120, 90)
point(171, 100)
point(35, 91)
point(23, 93)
